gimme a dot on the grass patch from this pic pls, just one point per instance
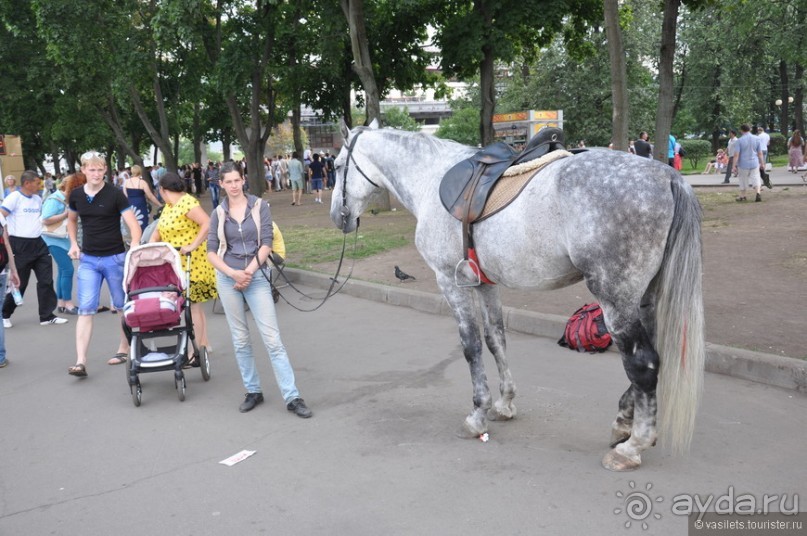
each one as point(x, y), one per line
point(308, 246)
point(710, 200)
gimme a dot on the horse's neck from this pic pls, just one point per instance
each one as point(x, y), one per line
point(415, 179)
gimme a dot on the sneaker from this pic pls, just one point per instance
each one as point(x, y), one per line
point(4, 363)
point(54, 320)
point(250, 401)
point(7, 323)
point(299, 408)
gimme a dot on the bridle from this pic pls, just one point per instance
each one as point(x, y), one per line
point(345, 212)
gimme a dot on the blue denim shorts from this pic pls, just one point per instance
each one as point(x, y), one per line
point(92, 271)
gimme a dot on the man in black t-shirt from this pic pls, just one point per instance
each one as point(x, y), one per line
point(102, 254)
point(642, 147)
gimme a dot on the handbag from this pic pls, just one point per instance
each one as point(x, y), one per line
point(58, 229)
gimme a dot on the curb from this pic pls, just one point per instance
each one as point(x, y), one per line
point(768, 369)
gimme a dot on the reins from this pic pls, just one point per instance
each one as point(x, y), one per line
point(345, 213)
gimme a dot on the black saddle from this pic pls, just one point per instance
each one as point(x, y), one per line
point(465, 188)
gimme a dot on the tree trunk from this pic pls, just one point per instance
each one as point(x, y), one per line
point(197, 134)
point(664, 112)
point(784, 115)
point(226, 140)
point(295, 127)
point(362, 63)
point(486, 80)
point(798, 98)
point(619, 82)
point(363, 67)
point(110, 116)
point(163, 143)
point(54, 152)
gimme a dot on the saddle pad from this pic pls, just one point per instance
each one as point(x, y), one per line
point(514, 180)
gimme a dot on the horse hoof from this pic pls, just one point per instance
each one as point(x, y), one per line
point(501, 411)
point(614, 461)
point(471, 428)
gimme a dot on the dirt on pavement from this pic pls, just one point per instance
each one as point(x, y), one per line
point(755, 266)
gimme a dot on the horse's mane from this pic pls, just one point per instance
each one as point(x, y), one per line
point(416, 142)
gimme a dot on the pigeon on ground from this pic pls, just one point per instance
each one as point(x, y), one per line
point(403, 276)
point(374, 211)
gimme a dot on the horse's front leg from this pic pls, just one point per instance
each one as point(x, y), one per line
point(462, 303)
point(641, 364)
point(504, 408)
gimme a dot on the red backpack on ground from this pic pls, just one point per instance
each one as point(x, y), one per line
point(586, 331)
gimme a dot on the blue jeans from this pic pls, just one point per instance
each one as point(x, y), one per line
point(2, 329)
point(64, 276)
point(92, 271)
point(259, 298)
point(214, 194)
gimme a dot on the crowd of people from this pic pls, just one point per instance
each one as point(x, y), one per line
point(80, 221)
point(745, 156)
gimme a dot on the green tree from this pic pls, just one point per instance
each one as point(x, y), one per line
point(399, 118)
point(462, 126)
point(474, 36)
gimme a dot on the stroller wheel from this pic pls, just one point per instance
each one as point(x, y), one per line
point(204, 363)
point(179, 383)
point(137, 394)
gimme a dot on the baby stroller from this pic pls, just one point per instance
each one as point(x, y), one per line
point(157, 300)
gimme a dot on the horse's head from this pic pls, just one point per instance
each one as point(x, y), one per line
point(357, 177)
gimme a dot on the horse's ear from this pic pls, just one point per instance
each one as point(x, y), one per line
point(374, 124)
point(343, 129)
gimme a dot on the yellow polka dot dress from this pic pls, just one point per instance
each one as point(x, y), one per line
point(178, 230)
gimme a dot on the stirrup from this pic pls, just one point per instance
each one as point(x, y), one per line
point(465, 275)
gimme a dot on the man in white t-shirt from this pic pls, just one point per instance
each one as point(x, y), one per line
point(22, 209)
point(764, 140)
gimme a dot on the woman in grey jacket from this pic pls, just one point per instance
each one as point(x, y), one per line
point(238, 244)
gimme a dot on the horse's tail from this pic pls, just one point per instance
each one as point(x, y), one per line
point(679, 321)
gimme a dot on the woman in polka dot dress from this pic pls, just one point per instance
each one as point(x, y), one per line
point(184, 224)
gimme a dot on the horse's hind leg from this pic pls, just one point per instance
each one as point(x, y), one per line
point(641, 364)
point(462, 303)
point(621, 427)
point(503, 409)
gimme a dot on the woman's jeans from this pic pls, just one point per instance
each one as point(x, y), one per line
point(64, 276)
point(258, 296)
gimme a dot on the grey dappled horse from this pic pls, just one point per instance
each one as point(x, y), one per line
point(628, 226)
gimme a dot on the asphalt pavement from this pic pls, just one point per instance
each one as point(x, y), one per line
point(389, 387)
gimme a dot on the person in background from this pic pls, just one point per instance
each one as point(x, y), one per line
point(730, 152)
point(22, 209)
point(10, 183)
point(642, 146)
point(212, 178)
point(749, 160)
point(238, 246)
point(795, 151)
point(296, 179)
point(764, 141)
point(8, 273)
point(55, 211)
point(671, 152)
point(138, 192)
point(316, 172)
